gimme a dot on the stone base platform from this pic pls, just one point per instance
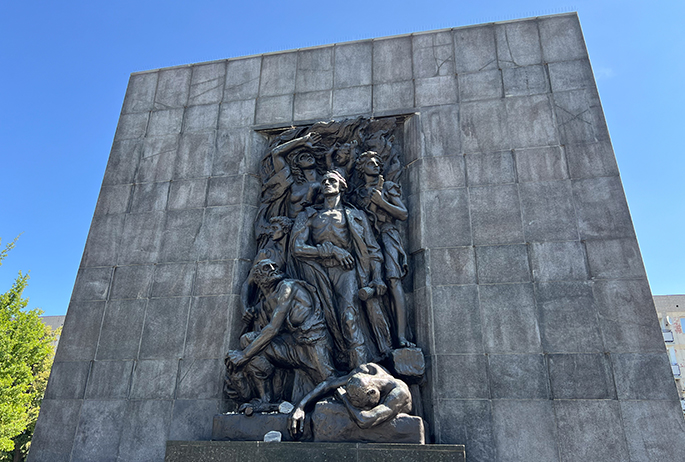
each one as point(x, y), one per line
point(257, 451)
point(329, 422)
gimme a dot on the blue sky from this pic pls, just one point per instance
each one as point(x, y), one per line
point(65, 66)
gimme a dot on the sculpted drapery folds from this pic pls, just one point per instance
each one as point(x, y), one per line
point(325, 295)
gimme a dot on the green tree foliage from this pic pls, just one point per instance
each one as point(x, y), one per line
point(26, 354)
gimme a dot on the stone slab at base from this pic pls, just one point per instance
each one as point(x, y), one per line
point(257, 451)
point(239, 427)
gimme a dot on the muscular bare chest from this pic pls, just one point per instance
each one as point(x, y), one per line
point(330, 226)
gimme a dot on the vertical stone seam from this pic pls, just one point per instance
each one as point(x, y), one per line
point(104, 311)
point(411, 63)
point(373, 84)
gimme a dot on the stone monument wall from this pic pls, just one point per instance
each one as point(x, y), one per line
point(529, 295)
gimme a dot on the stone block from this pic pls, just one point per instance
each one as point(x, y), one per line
point(435, 91)
point(438, 129)
point(423, 316)
point(201, 118)
point(180, 239)
point(154, 379)
point(515, 376)
point(192, 419)
point(195, 154)
point(166, 122)
point(628, 303)
point(173, 87)
point(571, 75)
point(525, 430)
point(455, 265)
point(653, 429)
point(495, 214)
point(433, 54)
point(274, 109)
point(141, 238)
point(68, 380)
point(54, 434)
point(200, 378)
point(353, 64)
point(230, 156)
point(207, 83)
point(157, 159)
point(484, 126)
point(475, 49)
point(165, 328)
point(109, 380)
point(140, 93)
point(313, 105)
point(590, 430)
point(567, 317)
point(602, 208)
point(80, 333)
point(561, 38)
point(148, 197)
point(113, 199)
point(518, 44)
point(221, 228)
point(92, 284)
point(579, 117)
point(614, 259)
point(496, 168)
point(278, 74)
point(174, 279)
point(502, 263)
point(455, 308)
point(123, 161)
point(392, 60)
point(461, 377)
point(525, 81)
point(239, 427)
point(242, 78)
point(121, 316)
point(470, 423)
point(408, 364)
point(444, 172)
point(581, 376)
point(644, 376)
point(558, 261)
point(548, 211)
point(331, 422)
point(187, 194)
point(99, 430)
point(509, 322)
point(446, 218)
point(591, 160)
point(531, 121)
point(207, 326)
point(131, 126)
point(314, 69)
point(102, 246)
point(145, 430)
point(541, 164)
point(480, 85)
point(393, 95)
point(352, 100)
point(234, 114)
point(225, 190)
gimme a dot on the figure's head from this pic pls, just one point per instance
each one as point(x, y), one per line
point(265, 273)
point(279, 227)
point(369, 163)
point(304, 160)
point(342, 155)
point(333, 183)
point(362, 391)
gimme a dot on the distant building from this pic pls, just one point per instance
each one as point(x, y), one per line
point(671, 312)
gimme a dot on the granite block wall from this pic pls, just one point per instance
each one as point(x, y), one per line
point(530, 297)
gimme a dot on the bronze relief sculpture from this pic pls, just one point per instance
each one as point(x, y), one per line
point(323, 307)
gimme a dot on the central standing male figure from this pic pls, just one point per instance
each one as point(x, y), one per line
point(338, 254)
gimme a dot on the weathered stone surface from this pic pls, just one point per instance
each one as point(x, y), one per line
point(332, 423)
point(239, 427)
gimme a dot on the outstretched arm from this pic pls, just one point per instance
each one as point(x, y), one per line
point(296, 419)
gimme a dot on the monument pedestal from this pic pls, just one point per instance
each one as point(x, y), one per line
point(257, 451)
